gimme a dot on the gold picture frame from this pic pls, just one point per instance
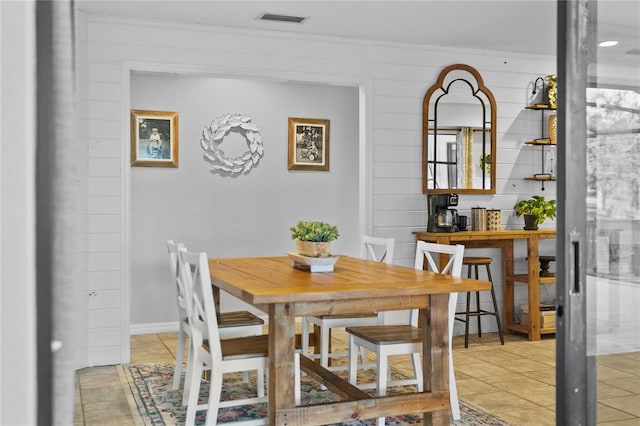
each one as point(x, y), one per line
point(308, 144)
point(154, 138)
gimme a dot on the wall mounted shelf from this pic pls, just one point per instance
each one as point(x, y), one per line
point(544, 175)
point(542, 141)
point(541, 178)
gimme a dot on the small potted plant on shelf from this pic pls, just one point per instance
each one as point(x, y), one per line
point(313, 239)
point(535, 211)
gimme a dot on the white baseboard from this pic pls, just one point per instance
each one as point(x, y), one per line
point(153, 328)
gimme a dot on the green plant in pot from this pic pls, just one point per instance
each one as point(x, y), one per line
point(535, 211)
point(313, 239)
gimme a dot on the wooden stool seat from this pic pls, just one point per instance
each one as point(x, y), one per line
point(475, 261)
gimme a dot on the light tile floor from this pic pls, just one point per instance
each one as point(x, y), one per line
point(515, 382)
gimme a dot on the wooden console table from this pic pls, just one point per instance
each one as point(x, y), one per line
point(503, 239)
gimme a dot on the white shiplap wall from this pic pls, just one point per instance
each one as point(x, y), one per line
point(393, 79)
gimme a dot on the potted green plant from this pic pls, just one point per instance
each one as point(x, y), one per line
point(313, 239)
point(485, 163)
point(535, 211)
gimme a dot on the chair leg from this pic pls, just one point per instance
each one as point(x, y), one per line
point(296, 386)
point(453, 393)
point(417, 370)
point(215, 390)
point(495, 307)
point(193, 393)
point(305, 337)
point(453, 388)
point(353, 360)
point(260, 379)
point(324, 346)
point(188, 377)
point(382, 362)
point(177, 368)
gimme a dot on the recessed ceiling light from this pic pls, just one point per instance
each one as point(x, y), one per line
point(281, 18)
point(608, 43)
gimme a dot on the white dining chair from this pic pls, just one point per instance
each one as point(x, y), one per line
point(372, 248)
point(217, 355)
point(182, 298)
point(387, 340)
point(231, 324)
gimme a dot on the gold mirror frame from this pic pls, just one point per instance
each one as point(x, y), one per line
point(428, 127)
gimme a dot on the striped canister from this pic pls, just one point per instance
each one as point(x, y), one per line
point(478, 219)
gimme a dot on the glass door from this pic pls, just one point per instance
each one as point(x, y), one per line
point(598, 339)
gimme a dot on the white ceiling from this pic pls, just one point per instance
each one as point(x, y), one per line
point(527, 26)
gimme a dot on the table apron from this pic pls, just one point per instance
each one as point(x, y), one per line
point(349, 306)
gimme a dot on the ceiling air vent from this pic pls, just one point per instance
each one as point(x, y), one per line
point(281, 18)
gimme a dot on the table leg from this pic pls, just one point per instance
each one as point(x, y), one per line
point(216, 298)
point(534, 286)
point(508, 284)
point(435, 362)
point(281, 359)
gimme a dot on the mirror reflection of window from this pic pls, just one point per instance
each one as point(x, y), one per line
point(480, 158)
point(461, 158)
point(452, 164)
point(443, 164)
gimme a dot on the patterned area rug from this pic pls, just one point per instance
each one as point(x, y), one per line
point(155, 403)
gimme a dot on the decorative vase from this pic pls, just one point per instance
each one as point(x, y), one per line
point(553, 128)
point(494, 218)
point(552, 91)
point(530, 222)
point(313, 249)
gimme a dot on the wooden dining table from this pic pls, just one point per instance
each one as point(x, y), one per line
point(274, 286)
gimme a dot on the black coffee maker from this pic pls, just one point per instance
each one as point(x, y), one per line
point(441, 218)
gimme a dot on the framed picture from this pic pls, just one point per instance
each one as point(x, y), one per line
point(308, 144)
point(154, 138)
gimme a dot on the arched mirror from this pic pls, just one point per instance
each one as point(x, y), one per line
point(459, 134)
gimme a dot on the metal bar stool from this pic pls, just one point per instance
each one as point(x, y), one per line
point(478, 312)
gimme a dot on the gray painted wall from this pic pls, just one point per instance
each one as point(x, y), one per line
point(245, 215)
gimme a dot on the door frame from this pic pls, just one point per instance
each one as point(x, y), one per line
point(575, 371)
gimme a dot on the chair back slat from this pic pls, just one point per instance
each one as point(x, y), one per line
point(183, 295)
point(377, 248)
point(202, 319)
point(432, 251)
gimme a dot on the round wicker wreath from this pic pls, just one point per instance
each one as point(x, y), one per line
point(213, 135)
